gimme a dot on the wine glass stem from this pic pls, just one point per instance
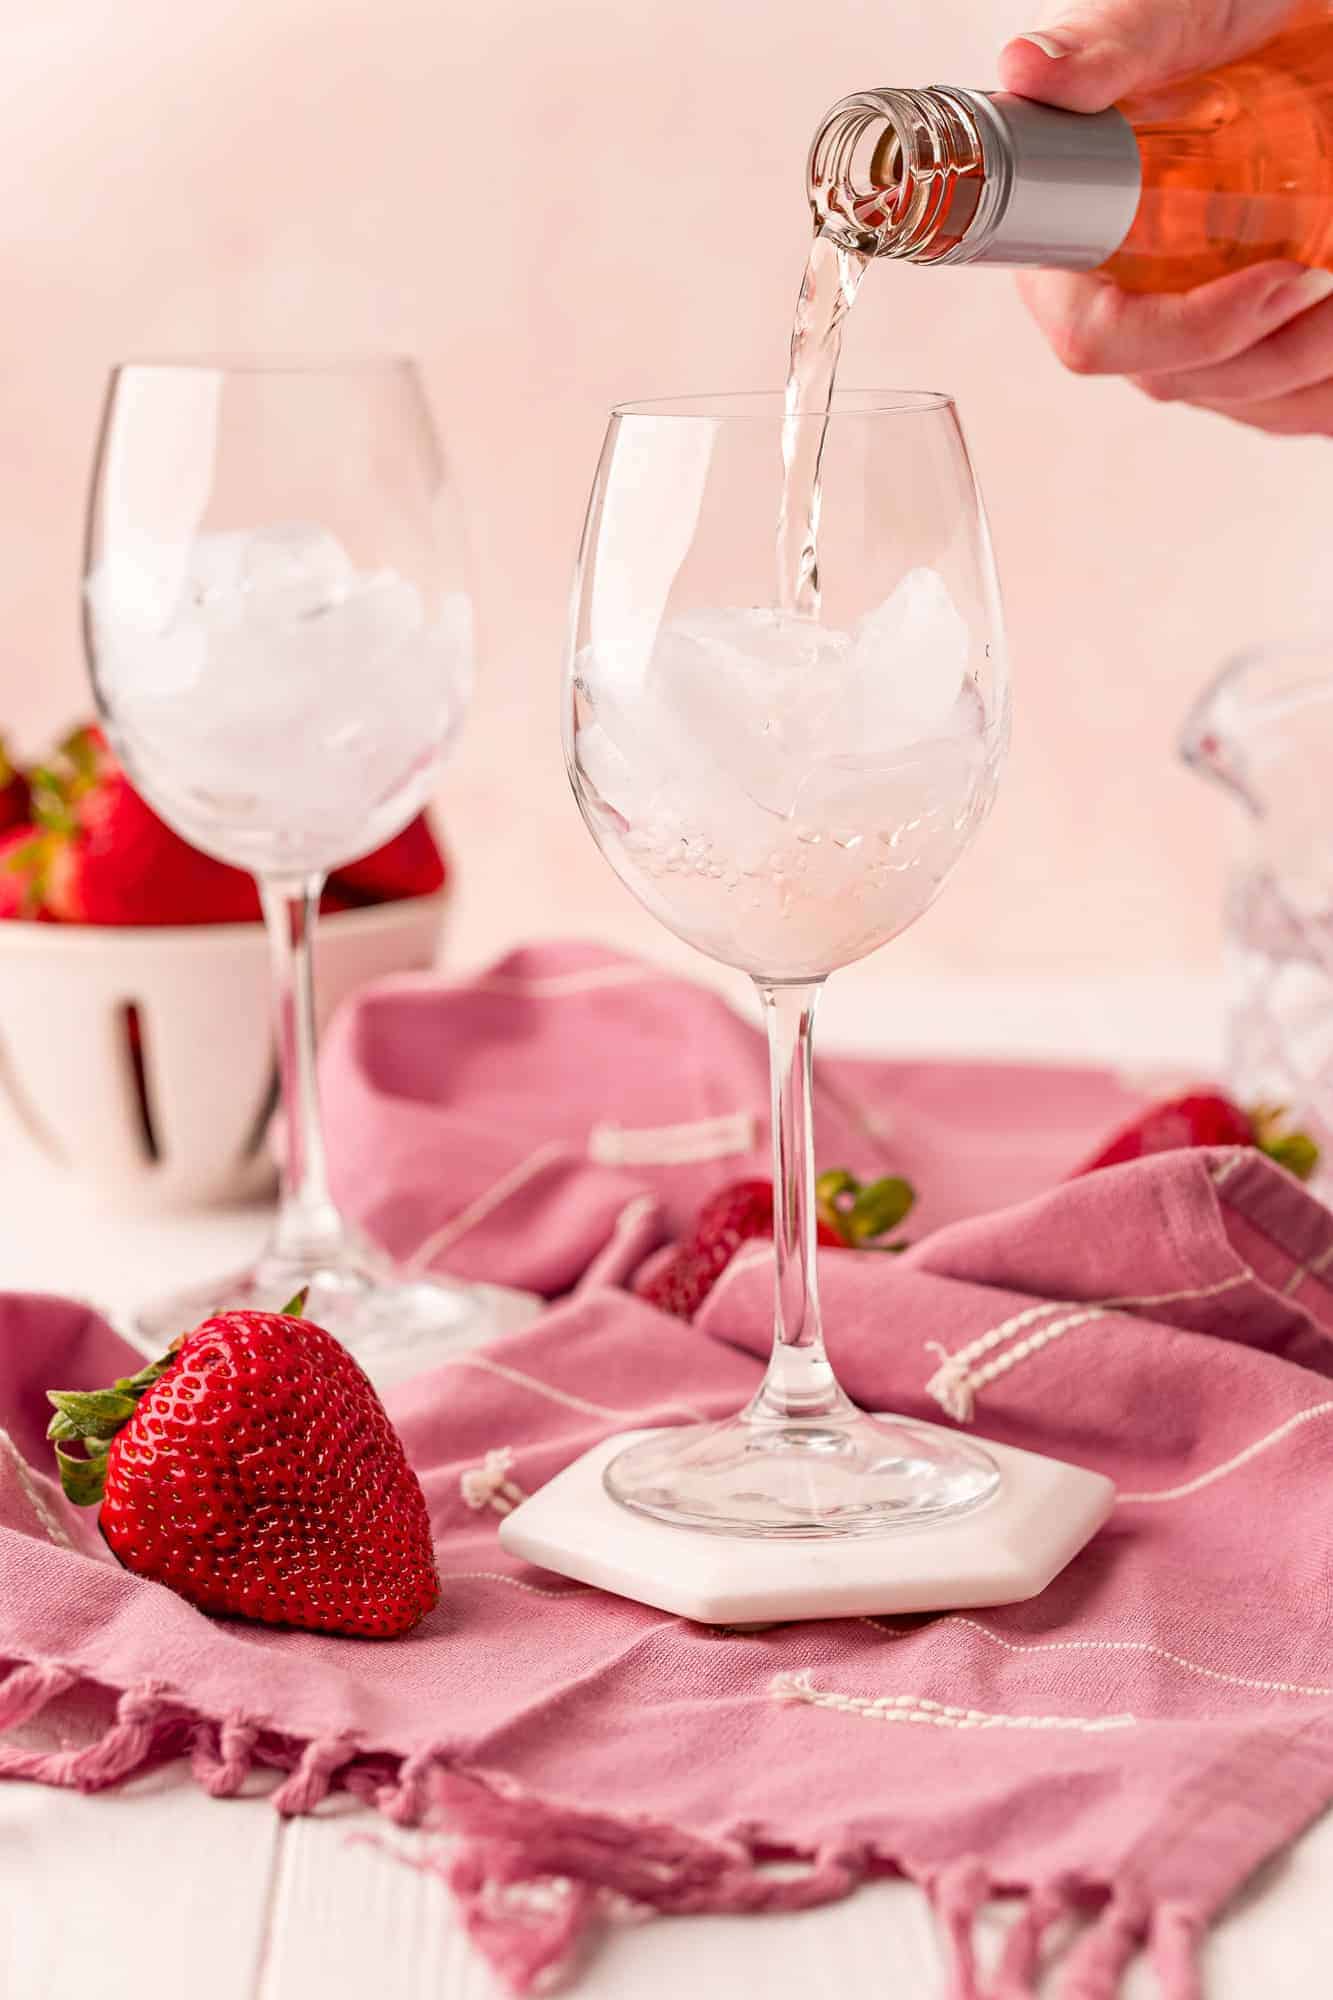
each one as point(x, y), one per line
point(799, 1382)
point(309, 1229)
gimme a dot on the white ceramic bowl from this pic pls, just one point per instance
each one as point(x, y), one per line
point(201, 998)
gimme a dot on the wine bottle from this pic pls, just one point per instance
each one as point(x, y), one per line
point(1172, 187)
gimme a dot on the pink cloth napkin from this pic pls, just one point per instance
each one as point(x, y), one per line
point(1118, 1754)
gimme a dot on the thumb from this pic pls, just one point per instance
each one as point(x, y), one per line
point(1096, 54)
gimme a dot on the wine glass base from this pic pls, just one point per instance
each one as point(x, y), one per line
point(803, 1478)
point(393, 1324)
point(1041, 1514)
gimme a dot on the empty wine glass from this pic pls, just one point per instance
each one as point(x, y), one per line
point(280, 645)
point(787, 790)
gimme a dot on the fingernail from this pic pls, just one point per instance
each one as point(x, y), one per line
point(1050, 45)
point(1297, 295)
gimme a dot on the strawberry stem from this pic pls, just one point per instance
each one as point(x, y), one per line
point(861, 1214)
point(835, 1191)
point(880, 1208)
point(81, 752)
point(51, 809)
point(92, 1417)
point(1296, 1151)
point(83, 1480)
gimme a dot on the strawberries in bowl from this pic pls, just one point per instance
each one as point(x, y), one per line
point(101, 855)
point(125, 953)
point(14, 795)
point(410, 864)
point(81, 846)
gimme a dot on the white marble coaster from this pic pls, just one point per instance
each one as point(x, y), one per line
point(1007, 1549)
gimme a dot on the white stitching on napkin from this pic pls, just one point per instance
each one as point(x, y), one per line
point(1110, 1646)
point(489, 1484)
point(955, 1383)
point(957, 1388)
point(719, 1138)
point(516, 1583)
point(458, 1225)
point(32, 1493)
point(915, 1708)
point(1312, 1269)
point(1228, 1465)
point(553, 1395)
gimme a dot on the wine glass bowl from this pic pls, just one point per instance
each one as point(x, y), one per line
point(279, 638)
point(785, 779)
point(278, 632)
point(784, 793)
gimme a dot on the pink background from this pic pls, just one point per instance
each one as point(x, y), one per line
point(560, 207)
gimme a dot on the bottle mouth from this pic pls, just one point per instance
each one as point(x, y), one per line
point(897, 173)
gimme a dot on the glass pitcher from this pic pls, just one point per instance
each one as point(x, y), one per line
point(1264, 731)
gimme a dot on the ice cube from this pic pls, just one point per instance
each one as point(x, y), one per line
point(748, 691)
point(138, 588)
point(289, 693)
point(909, 662)
point(708, 726)
point(937, 776)
point(607, 774)
point(293, 569)
point(747, 739)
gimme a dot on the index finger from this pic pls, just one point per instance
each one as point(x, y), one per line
point(1099, 51)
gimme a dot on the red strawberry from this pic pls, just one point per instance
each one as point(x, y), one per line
point(15, 798)
point(410, 864)
point(109, 859)
point(253, 1471)
point(849, 1216)
point(734, 1215)
point(1207, 1118)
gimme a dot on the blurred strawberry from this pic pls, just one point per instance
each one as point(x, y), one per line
point(15, 799)
point(21, 856)
point(410, 864)
point(84, 756)
point(734, 1215)
point(1207, 1118)
point(849, 1216)
point(106, 857)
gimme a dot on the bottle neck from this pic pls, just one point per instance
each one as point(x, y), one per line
point(963, 176)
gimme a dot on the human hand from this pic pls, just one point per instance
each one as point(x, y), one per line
point(1256, 346)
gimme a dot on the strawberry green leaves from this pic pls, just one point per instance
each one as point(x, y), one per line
point(83, 1480)
point(89, 1413)
point(861, 1215)
point(92, 1417)
point(1296, 1151)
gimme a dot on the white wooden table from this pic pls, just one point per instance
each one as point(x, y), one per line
point(156, 1890)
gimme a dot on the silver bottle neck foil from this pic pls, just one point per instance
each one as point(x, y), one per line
point(1061, 188)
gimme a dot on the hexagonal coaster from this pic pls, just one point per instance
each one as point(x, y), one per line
point(1005, 1550)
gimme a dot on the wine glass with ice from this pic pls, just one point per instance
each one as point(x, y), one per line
point(280, 645)
point(784, 770)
